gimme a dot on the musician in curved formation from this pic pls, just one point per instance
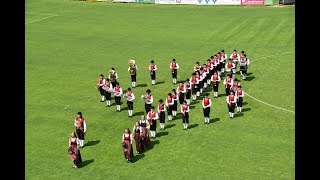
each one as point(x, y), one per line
point(107, 92)
point(113, 76)
point(174, 66)
point(148, 100)
point(101, 87)
point(153, 68)
point(117, 91)
point(129, 95)
point(133, 72)
point(152, 117)
point(81, 128)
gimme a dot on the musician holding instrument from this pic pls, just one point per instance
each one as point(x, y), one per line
point(187, 84)
point(230, 65)
point(152, 117)
point(206, 103)
point(81, 128)
point(153, 68)
point(101, 87)
point(185, 114)
point(239, 94)
point(231, 101)
point(175, 98)
point(235, 57)
point(215, 80)
point(174, 66)
point(113, 76)
point(169, 103)
point(223, 58)
point(107, 92)
point(129, 97)
point(117, 91)
point(244, 62)
point(148, 100)
point(228, 83)
point(133, 72)
point(181, 90)
point(161, 111)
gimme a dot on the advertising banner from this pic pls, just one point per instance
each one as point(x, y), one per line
point(252, 2)
point(200, 2)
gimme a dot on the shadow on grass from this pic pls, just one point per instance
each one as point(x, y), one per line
point(142, 85)
point(161, 82)
point(137, 157)
point(249, 78)
point(138, 113)
point(244, 103)
point(85, 163)
point(214, 120)
point(195, 102)
point(92, 143)
point(169, 126)
point(246, 109)
point(124, 108)
point(163, 133)
point(193, 126)
point(238, 114)
point(222, 95)
point(151, 145)
point(192, 107)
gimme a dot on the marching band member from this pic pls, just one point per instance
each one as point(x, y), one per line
point(188, 93)
point(169, 103)
point(127, 145)
point(133, 72)
point(130, 97)
point(153, 68)
point(196, 67)
point(206, 103)
point(113, 76)
point(161, 111)
point(107, 92)
point(208, 68)
point(198, 84)
point(152, 117)
point(174, 96)
point(244, 63)
point(235, 58)
point(81, 128)
point(101, 87)
point(230, 65)
point(174, 70)
point(117, 91)
point(217, 62)
point(239, 94)
point(148, 100)
point(136, 133)
point(193, 86)
point(235, 85)
point(223, 60)
point(202, 78)
point(228, 82)
point(215, 79)
point(185, 114)
point(231, 101)
point(181, 90)
point(144, 123)
point(73, 150)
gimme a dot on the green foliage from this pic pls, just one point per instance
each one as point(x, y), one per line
point(65, 54)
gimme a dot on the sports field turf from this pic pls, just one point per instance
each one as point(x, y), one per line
point(70, 43)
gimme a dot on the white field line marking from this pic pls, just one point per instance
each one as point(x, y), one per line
point(269, 104)
point(263, 101)
point(42, 14)
point(40, 19)
point(273, 55)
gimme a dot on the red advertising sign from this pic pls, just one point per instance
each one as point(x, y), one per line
point(252, 2)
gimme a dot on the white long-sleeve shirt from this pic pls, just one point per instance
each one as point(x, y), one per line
point(234, 99)
point(169, 104)
point(129, 98)
point(188, 109)
point(146, 100)
point(84, 125)
point(155, 118)
point(177, 66)
point(136, 68)
point(154, 67)
point(184, 89)
point(210, 103)
point(164, 109)
point(117, 93)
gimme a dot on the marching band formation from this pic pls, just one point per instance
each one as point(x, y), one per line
point(210, 73)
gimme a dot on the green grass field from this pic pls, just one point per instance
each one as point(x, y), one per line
point(70, 43)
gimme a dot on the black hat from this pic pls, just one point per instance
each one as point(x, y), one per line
point(207, 94)
point(169, 94)
point(101, 75)
point(152, 61)
point(148, 90)
point(242, 51)
point(187, 79)
point(129, 89)
point(222, 50)
point(107, 79)
point(218, 52)
point(173, 59)
point(208, 59)
point(235, 50)
point(112, 68)
point(174, 90)
point(197, 62)
point(211, 56)
point(193, 74)
point(160, 100)
point(245, 55)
